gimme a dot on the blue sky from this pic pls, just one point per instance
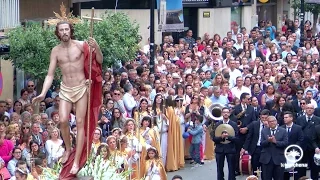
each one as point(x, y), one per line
point(172, 4)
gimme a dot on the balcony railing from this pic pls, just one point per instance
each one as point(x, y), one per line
point(9, 14)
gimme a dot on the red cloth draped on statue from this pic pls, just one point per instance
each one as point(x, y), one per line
point(96, 93)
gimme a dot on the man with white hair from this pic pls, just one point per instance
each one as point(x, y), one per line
point(308, 123)
point(274, 140)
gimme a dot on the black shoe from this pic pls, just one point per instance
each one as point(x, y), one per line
point(192, 162)
point(202, 163)
point(237, 173)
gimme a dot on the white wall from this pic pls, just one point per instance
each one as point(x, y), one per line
point(141, 16)
point(218, 23)
point(246, 17)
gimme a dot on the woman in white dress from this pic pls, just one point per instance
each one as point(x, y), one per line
point(54, 147)
point(162, 124)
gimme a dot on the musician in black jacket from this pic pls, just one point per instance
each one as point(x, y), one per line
point(308, 123)
point(245, 115)
point(295, 136)
point(296, 103)
point(226, 150)
point(274, 140)
point(256, 106)
point(252, 144)
point(317, 140)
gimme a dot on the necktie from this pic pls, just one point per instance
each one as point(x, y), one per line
point(289, 129)
point(273, 131)
point(255, 109)
point(262, 126)
point(309, 119)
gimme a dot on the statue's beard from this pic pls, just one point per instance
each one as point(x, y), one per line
point(65, 38)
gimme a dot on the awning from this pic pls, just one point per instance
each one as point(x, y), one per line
point(80, 1)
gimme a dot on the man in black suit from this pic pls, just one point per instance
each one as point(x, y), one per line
point(317, 111)
point(252, 143)
point(36, 135)
point(317, 140)
point(308, 123)
point(295, 136)
point(245, 115)
point(254, 53)
point(303, 104)
point(256, 106)
point(296, 103)
point(274, 140)
point(226, 150)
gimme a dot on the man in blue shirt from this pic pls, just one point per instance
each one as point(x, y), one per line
point(216, 97)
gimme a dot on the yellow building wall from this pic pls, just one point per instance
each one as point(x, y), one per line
point(7, 75)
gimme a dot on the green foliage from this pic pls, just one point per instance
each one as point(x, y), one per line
point(30, 46)
point(116, 35)
point(313, 8)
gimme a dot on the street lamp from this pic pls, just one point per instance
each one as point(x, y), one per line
point(152, 6)
point(302, 11)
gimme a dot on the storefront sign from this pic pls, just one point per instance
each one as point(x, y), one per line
point(206, 14)
point(194, 1)
point(170, 16)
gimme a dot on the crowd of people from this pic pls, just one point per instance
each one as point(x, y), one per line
point(154, 118)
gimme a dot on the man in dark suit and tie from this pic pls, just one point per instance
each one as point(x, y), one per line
point(245, 115)
point(255, 53)
point(274, 140)
point(252, 144)
point(295, 136)
point(317, 140)
point(226, 150)
point(308, 123)
point(296, 103)
point(36, 135)
point(256, 107)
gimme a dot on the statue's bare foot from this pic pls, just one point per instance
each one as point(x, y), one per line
point(74, 169)
point(65, 157)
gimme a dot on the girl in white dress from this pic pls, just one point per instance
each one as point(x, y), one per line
point(154, 167)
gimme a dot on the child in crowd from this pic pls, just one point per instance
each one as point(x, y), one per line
point(197, 132)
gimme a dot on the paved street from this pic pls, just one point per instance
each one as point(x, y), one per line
point(207, 172)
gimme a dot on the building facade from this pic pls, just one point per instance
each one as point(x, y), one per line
point(201, 16)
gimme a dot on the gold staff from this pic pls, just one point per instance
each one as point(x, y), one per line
point(92, 19)
point(139, 116)
point(160, 117)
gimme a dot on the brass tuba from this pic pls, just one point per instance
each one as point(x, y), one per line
point(216, 111)
point(216, 115)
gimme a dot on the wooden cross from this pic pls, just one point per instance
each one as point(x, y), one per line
point(293, 172)
point(258, 172)
point(92, 19)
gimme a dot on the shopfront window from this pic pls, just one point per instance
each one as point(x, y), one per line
point(236, 13)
